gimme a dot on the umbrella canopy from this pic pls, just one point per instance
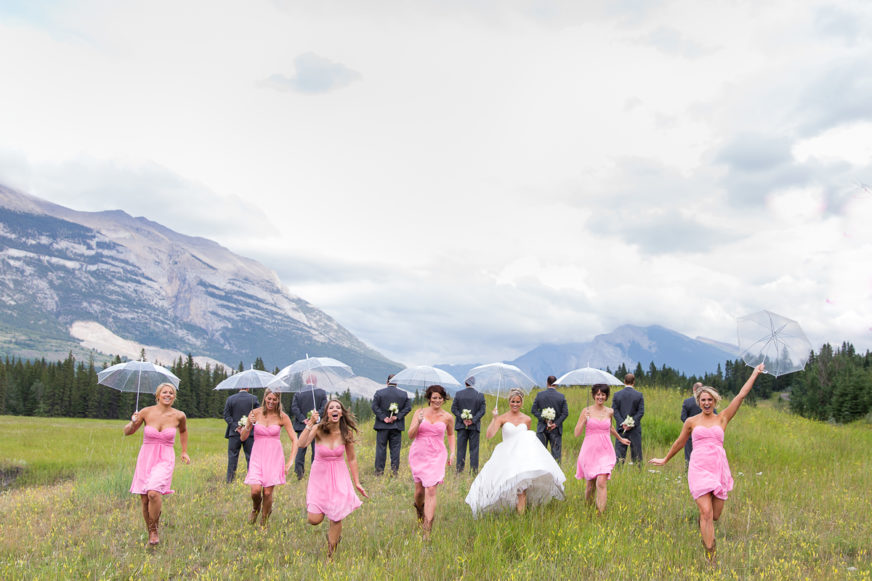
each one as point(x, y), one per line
point(588, 376)
point(248, 379)
point(423, 376)
point(136, 376)
point(324, 372)
point(776, 341)
point(499, 377)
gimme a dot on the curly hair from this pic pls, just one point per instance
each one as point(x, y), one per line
point(347, 423)
point(697, 393)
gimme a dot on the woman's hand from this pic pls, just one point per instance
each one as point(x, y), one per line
point(451, 458)
point(134, 417)
point(421, 416)
point(250, 420)
point(313, 419)
point(656, 461)
point(624, 441)
point(495, 412)
point(288, 466)
point(185, 458)
point(360, 489)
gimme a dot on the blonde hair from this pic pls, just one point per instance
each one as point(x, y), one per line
point(279, 409)
point(516, 391)
point(697, 393)
point(162, 385)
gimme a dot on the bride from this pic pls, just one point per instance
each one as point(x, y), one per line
point(520, 470)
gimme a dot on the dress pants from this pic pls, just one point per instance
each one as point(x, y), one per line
point(233, 446)
point(635, 437)
point(470, 438)
point(387, 439)
point(555, 439)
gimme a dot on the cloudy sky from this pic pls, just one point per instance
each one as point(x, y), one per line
point(460, 181)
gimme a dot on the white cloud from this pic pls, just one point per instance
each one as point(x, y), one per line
point(461, 181)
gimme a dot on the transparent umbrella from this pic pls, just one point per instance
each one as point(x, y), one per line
point(311, 372)
point(423, 376)
point(136, 376)
point(588, 376)
point(248, 379)
point(776, 341)
point(496, 377)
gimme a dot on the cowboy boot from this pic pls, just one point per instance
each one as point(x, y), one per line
point(153, 538)
point(711, 555)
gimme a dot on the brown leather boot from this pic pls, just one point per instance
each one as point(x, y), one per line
point(711, 553)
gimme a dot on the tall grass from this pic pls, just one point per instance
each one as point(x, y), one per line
point(800, 509)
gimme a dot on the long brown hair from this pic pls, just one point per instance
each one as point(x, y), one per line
point(279, 409)
point(347, 423)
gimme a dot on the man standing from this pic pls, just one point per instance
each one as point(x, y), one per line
point(237, 405)
point(390, 405)
point(468, 408)
point(311, 397)
point(629, 406)
point(550, 431)
point(690, 408)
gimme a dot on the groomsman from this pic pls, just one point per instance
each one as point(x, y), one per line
point(550, 432)
point(389, 425)
point(468, 430)
point(629, 403)
point(237, 405)
point(307, 399)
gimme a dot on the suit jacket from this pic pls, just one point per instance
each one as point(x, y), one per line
point(689, 408)
point(381, 402)
point(626, 403)
point(550, 398)
point(468, 399)
point(303, 403)
point(237, 405)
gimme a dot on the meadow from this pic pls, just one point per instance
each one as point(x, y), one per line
point(800, 509)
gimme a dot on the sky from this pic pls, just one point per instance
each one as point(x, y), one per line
point(461, 181)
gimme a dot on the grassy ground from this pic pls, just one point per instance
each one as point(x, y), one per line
point(800, 509)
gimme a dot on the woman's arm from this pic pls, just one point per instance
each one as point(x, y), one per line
point(678, 445)
point(582, 422)
point(351, 455)
point(452, 439)
point(183, 437)
point(308, 433)
point(495, 424)
point(136, 420)
point(417, 418)
point(252, 418)
point(289, 428)
point(731, 410)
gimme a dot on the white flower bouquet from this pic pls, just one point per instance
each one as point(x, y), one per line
point(393, 408)
point(243, 421)
point(628, 422)
point(549, 414)
point(466, 415)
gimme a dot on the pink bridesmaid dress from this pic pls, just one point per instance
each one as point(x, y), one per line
point(330, 491)
point(597, 454)
point(708, 470)
point(428, 454)
point(267, 465)
point(156, 461)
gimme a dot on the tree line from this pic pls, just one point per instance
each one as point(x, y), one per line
point(836, 385)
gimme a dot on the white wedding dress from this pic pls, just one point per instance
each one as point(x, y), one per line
point(520, 462)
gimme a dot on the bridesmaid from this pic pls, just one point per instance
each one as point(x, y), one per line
point(597, 457)
point(267, 466)
point(427, 454)
point(157, 458)
point(708, 474)
point(330, 492)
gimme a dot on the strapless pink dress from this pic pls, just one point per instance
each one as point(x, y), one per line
point(708, 470)
point(330, 491)
point(267, 464)
point(597, 454)
point(428, 454)
point(156, 461)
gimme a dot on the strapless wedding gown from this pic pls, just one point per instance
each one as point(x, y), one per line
point(520, 462)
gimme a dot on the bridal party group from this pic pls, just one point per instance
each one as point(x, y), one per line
point(523, 469)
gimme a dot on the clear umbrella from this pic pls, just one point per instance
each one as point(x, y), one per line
point(325, 372)
point(588, 376)
point(776, 341)
point(423, 376)
point(136, 376)
point(495, 377)
point(248, 379)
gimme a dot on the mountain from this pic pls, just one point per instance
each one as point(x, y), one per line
point(627, 344)
point(106, 281)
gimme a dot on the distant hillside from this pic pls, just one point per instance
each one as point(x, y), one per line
point(108, 282)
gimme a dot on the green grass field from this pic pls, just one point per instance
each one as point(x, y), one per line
point(801, 509)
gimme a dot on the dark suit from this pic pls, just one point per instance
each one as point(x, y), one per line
point(389, 435)
point(472, 400)
point(629, 403)
point(551, 398)
point(305, 401)
point(237, 405)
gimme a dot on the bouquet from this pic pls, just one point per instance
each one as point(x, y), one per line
point(549, 414)
point(628, 422)
point(393, 408)
point(243, 421)
point(466, 414)
point(309, 414)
